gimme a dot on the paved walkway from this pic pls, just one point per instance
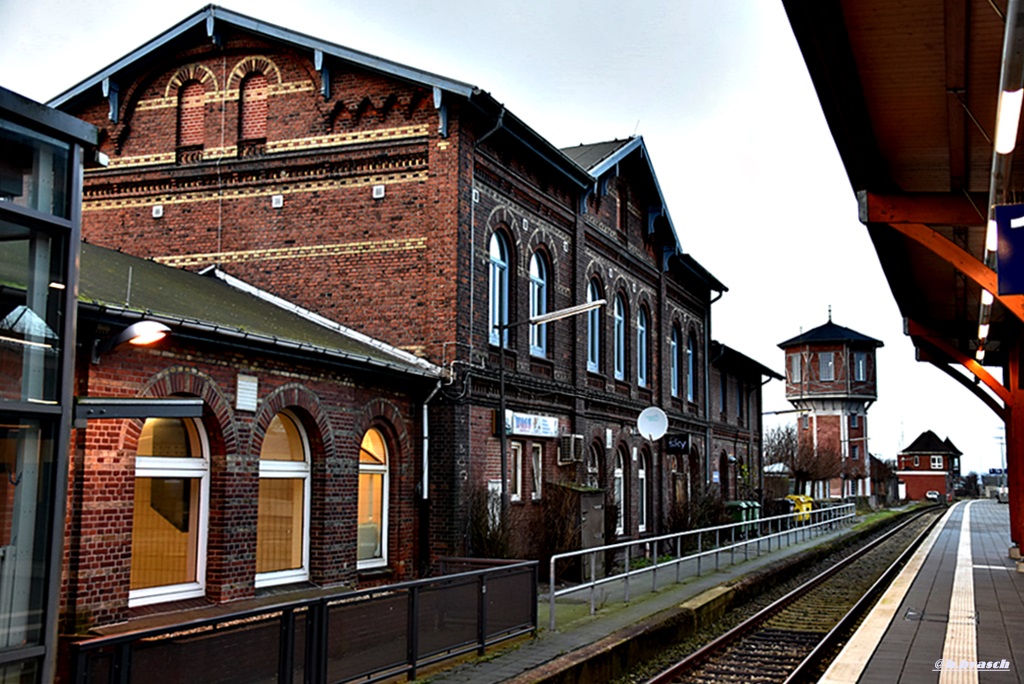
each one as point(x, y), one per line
point(958, 603)
point(613, 617)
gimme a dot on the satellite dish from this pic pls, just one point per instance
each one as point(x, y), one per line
point(652, 423)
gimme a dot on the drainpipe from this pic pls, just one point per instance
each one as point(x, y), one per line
point(707, 390)
point(424, 498)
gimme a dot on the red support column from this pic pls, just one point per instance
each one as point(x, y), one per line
point(1015, 445)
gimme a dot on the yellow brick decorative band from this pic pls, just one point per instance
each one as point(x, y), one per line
point(245, 193)
point(307, 252)
point(276, 146)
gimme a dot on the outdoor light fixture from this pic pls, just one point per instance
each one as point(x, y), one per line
point(986, 298)
point(980, 354)
point(992, 236)
point(983, 331)
point(1007, 120)
point(502, 432)
point(138, 334)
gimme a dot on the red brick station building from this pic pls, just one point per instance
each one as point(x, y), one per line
point(342, 249)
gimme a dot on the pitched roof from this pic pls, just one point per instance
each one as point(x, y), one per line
point(928, 443)
point(207, 22)
point(727, 356)
point(592, 155)
point(830, 332)
point(131, 287)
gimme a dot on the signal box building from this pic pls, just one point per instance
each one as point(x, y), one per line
point(417, 211)
point(928, 464)
point(831, 377)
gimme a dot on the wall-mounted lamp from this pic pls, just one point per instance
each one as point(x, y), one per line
point(139, 334)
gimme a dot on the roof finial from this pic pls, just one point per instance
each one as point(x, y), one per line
point(829, 313)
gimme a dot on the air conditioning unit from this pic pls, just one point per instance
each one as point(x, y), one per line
point(570, 449)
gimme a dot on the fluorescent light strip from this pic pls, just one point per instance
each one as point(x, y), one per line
point(1008, 120)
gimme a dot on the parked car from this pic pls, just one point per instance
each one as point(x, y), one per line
point(931, 495)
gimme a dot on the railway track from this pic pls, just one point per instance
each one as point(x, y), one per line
point(789, 640)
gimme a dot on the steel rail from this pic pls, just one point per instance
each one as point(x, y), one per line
point(712, 649)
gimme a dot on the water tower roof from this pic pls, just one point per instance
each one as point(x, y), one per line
point(830, 332)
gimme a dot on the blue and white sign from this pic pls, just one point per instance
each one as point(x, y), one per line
point(1010, 221)
point(530, 425)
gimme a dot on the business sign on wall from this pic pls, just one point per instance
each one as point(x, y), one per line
point(530, 425)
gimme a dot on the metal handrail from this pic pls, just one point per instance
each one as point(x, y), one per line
point(815, 519)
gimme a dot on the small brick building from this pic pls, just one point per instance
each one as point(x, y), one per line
point(831, 377)
point(419, 211)
point(928, 464)
point(306, 427)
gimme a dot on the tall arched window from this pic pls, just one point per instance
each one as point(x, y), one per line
point(691, 367)
point(641, 347)
point(538, 303)
point(282, 517)
point(252, 108)
point(674, 351)
point(619, 493)
point(593, 329)
point(498, 287)
point(372, 533)
point(641, 488)
point(619, 341)
point(169, 518)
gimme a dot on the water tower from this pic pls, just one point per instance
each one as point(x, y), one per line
point(831, 378)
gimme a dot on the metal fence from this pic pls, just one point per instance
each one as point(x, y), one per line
point(367, 635)
point(672, 557)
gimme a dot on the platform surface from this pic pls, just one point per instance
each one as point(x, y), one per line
point(956, 613)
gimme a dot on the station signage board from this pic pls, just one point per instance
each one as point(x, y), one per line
point(1010, 221)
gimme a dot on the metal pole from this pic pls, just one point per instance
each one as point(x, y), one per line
point(503, 436)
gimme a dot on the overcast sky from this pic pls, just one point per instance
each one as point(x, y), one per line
point(717, 89)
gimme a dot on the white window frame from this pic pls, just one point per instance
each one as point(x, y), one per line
point(854, 421)
point(537, 453)
point(855, 452)
point(794, 368)
point(620, 338)
point(499, 268)
point(937, 463)
point(515, 485)
point(860, 366)
point(593, 329)
point(619, 494)
point(538, 303)
point(641, 481)
point(691, 367)
point(827, 366)
point(291, 470)
point(385, 469)
point(641, 347)
point(673, 346)
point(185, 468)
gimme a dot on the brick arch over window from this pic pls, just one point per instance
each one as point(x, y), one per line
point(253, 64)
point(381, 413)
point(218, 416)
point(305, 404)
point(189, 73)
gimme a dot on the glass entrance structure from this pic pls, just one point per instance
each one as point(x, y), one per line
point(42, 154)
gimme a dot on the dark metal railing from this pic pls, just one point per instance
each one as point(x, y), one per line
point(366, 635)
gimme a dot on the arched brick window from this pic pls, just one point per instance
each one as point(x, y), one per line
point(282, 526)
point(191, 114)
point(252, 108)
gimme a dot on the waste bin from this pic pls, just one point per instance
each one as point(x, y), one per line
point(754, 515)
point(801, 507)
